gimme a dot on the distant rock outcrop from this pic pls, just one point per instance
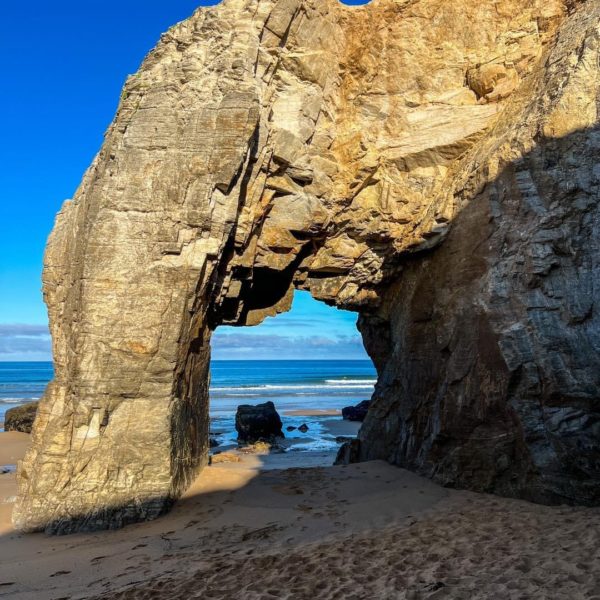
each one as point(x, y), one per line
point(259, 422)
point(430, 165)
point(356, 413)
point(21, 418)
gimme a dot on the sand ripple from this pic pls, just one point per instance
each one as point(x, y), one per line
point(470, 547)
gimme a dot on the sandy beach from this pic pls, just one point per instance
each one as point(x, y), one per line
point(267, 527)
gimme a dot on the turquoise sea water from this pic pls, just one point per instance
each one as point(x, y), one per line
point(290, 384)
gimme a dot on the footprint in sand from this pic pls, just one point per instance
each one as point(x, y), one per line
point(60, 573)
point(287, 490)
point(97, 559)
point(191, 524)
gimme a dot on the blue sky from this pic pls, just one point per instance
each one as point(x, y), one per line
point(63, 64)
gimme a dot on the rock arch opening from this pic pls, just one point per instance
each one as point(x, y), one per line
point(309, 362)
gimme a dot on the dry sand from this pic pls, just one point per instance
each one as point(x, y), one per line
point(369, 531)
point(12, 448)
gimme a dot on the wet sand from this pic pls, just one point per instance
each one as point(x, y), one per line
point(12, 446)
point(339, 427)
point(312, 413)
point(252, 530)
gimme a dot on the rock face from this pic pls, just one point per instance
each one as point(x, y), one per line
point(349, 452)
point(430, 165)
point(260, 422)
point(21, 418)
point(356, 413)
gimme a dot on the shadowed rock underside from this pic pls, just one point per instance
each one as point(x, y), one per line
point(430, 165)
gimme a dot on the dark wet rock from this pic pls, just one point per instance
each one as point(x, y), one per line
point(348, 453)
point(342, 439)
point(21, 418)
point(303, 428)
point(356, 413)
point(260, 422)
point(213, 442)
point(291, 428)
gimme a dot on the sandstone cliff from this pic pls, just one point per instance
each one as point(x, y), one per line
point(430, 165)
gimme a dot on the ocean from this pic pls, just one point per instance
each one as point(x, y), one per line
point(22, 382)
point(291, 385)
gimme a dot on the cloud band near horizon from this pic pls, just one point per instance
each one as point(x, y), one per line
point(23, 342)
point(28, 342)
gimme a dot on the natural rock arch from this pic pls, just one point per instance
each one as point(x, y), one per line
point(272, 144)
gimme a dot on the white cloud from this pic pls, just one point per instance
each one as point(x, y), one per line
point(271, 346)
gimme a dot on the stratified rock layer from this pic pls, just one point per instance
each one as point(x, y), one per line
point(269, 145)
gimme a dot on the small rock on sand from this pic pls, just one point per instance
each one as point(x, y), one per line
point(225, 457)
point(348, 453)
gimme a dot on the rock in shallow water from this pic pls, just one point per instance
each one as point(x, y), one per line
point(260, 422)
point(21, 418)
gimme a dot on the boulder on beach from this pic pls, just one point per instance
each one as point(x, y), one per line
point(356, 413)
point(21, 418)
point(260, 422)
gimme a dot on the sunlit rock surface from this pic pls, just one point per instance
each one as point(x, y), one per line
point(431, 165)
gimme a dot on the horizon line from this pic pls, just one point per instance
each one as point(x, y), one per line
point(224, 360)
